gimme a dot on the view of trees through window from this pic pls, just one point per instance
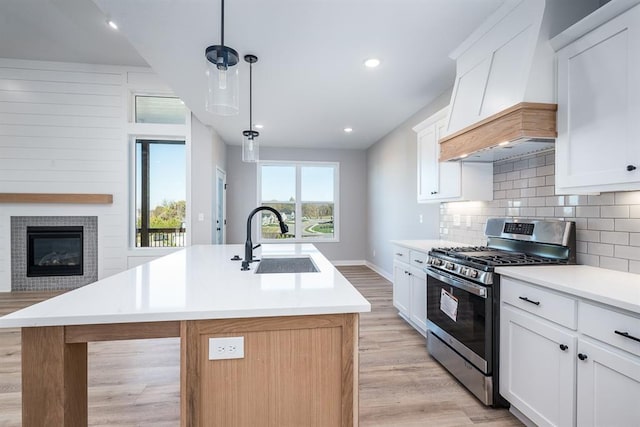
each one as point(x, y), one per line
point(304, 194)
point(160, 193)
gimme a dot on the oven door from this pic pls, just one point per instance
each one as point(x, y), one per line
point(460, 313)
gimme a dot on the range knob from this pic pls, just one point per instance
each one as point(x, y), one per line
point(464, 271)
point(449, 266)
point(437, 262)
point(472, 273)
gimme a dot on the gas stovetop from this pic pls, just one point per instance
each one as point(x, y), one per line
point(493, 257)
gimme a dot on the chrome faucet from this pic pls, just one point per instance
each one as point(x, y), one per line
point(248, 245)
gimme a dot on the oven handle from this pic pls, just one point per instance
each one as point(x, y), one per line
point(472, 288)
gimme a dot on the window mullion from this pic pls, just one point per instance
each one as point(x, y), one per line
point(298, 202)
point(144, 209)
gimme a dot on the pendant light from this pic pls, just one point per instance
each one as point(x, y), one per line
point(249, 137)
point(222, 76)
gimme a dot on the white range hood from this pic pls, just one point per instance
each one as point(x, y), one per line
point(504, 90)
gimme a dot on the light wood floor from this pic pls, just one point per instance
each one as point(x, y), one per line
point(136, 383)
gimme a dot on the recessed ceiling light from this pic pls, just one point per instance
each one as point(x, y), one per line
point(112, 24)
point(372, 62)
point(347, 130)
point(502, 144)
point(258, 126)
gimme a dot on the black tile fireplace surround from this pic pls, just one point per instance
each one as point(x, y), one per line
point(63, 257)
point(54, 251)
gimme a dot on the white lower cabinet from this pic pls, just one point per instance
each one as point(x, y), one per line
point(608, 386)
point(556, 375)
point(418, 313)
point(410, 287)
point(401, 288)
point(537, 372)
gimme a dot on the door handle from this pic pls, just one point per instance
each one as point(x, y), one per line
point(528, 300)
point(627, 335)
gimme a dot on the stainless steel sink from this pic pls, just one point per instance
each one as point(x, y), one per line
point(286, 265)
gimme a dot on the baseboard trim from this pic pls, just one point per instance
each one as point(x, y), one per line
point(380, 271)
point(347, 262)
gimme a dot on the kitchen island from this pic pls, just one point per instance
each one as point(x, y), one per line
point(299, 330)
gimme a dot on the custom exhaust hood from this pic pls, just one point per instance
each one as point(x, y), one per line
point(503, 100)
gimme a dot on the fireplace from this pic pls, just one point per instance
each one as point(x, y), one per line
point(55, 251)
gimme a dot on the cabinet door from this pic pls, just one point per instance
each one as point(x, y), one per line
point(401, 288)
point(428, 163)
point(449, 173)
point(537, 367)
point(418, 280)
point(608, 387)
point(598, 109)
point(436, 181)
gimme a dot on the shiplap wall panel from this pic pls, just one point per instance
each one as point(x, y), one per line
point(75, 77)
point(63, 130)
point(71, 144)
point(60, 98)
point(57, 120)
point(61, 109)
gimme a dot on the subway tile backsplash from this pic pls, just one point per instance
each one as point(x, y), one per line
point(608, 225)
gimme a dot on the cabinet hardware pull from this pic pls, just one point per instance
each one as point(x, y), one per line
point(563, 347)
point(631, 168)
point(399, 254)
point(528, 300)
point(419, 261)
point(627, 335)
point(582, 356)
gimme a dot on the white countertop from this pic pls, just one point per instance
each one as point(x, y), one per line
point(427, 245)
point(609, 287)
point(200, 282)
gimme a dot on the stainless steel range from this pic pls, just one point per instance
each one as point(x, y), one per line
point(463, 295)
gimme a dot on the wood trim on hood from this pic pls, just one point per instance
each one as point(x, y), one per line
point(523, 120)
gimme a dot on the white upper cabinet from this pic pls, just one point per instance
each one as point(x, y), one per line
point(598, 145)
point(447, 181)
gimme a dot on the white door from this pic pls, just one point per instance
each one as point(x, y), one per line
point(401, 288)
point(219, 227)
point(608, 387)
point(598, 108)
point(537, 367)
point(418, 280)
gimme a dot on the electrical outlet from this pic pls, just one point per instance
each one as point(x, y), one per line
point(420, 218)
point(456, 220)
point(226, 348)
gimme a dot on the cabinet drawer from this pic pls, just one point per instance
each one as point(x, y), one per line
point(418, 259)
point(401, 254)
point(541, 302)
point(602, 323)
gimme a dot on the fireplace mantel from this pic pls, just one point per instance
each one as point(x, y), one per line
point(56, 198)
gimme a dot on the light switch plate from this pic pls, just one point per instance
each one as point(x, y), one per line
point(226, 348)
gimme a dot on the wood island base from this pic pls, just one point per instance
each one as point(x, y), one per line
point(296, 370)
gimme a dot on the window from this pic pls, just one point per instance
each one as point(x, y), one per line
point(160, 193)
point(159, 109)
point(305, 194)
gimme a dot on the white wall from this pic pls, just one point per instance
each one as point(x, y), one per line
point(241, 196)
point(392, 206)
point(64, 129)
point(208, 151)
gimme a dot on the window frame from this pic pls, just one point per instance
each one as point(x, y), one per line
point(144, 173)
point(298, 202)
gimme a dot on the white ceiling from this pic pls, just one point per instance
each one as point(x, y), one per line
point(309, 82)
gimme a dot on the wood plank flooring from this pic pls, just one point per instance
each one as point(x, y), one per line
point(136, 383)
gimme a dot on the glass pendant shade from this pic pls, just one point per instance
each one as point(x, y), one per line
point(222, 84)
point(250, 146)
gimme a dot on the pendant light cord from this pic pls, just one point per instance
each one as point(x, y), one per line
point(251, 96)
point(222, 24)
